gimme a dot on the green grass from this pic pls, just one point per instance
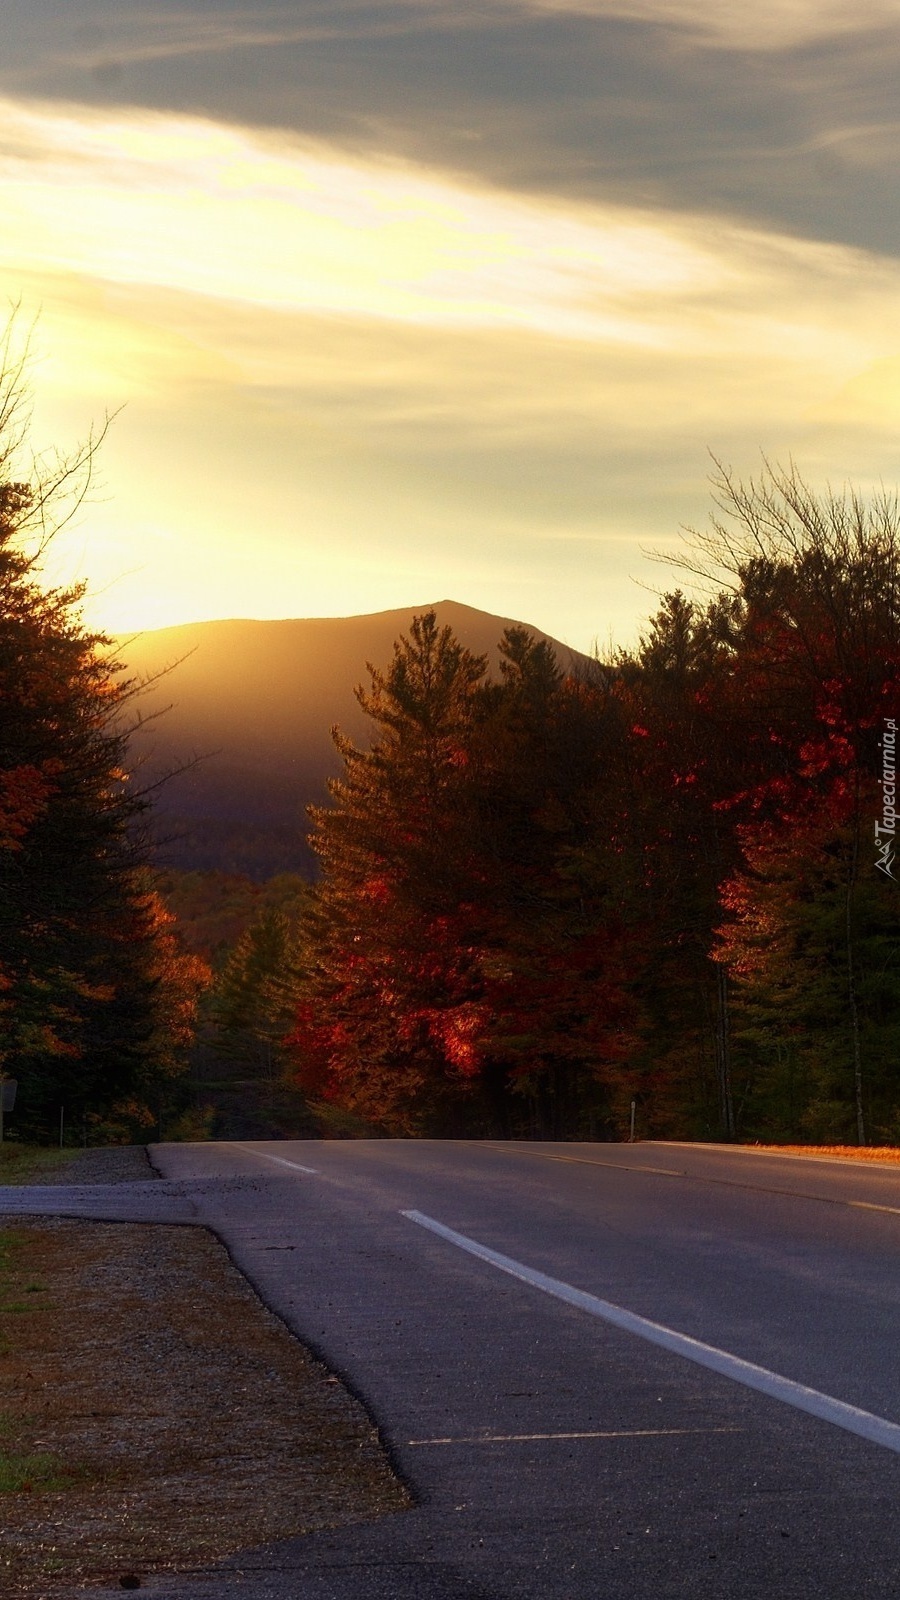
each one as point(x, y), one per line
point(24, 1470)
point(12, 1242)
point(17, 1298)
point(21, 1163)
point(21, 1471)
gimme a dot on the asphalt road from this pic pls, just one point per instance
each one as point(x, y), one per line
point(554, 1451)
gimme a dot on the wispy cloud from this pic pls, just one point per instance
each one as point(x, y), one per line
point(147, 34)
point(220, 212)
point(414, 384)
point(128, 39)
point(763, 25)
point(260, 218)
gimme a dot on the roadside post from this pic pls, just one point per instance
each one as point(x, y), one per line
point(631, 1136)
point(8, 1087)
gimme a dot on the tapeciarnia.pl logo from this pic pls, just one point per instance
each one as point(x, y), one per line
point(886, 828)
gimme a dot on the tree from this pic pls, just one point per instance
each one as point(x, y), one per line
point(543, 896)
point(252, 1005)
point(814, 629)
point(683, 751)
point(386, 1026)
point(466, 972)
point(82, 994)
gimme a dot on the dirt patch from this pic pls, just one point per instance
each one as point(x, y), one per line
point(154, 1415)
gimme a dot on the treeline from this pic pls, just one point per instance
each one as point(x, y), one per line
point(665, 883)
point(545, 896)
point(97, 998)
point(251, 935)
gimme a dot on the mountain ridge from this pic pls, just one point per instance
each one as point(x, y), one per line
point(241, 711)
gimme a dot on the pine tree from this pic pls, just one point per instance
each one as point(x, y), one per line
point(387, 1029)
point(82, 995)
point(466, 970)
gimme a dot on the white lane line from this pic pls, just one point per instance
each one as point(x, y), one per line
point(869, 1205)
point(280, 1160)
point(876, 1429)
point(529, 1438)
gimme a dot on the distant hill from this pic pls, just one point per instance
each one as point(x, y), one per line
point(256, 701)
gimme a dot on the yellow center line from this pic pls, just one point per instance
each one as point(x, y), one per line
point(589, 1161)
point(586, 1161)
point(699, 1177)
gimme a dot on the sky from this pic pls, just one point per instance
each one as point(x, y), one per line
point(423, 299)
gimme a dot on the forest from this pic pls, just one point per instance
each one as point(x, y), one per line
point(660, 887)
point(664, 882)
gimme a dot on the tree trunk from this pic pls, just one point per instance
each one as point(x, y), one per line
point(851, 982)
point(723, 1053)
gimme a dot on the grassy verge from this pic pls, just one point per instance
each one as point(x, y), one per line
point(25, 1163)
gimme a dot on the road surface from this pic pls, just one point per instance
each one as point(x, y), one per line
point(609, 1372)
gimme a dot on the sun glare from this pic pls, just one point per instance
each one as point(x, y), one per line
point(325, 351)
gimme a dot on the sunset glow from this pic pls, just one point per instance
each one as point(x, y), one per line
point(356, 376)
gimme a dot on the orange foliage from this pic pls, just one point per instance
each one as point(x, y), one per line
point(23, 798)
point(840, 1152)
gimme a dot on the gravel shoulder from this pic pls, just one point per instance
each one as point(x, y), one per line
point(154, 1415)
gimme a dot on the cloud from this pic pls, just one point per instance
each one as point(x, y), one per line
point(355, 382)
point(376, 300)
point(774, 111)
point(263, 219)
point(766, 25)
point(223, 213)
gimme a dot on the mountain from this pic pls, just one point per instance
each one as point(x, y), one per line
point(246, 708)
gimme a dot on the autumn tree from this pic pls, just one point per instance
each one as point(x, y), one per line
point(544, 895)
point(683, 752)
point(814, 633)
point(557, 949)
point(82, 994)
point(466, 971)
point(386, 1027)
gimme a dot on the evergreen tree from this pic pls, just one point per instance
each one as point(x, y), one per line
point(387, 1026)
point(467, 972)
point(252, 1005)
point(82, 992)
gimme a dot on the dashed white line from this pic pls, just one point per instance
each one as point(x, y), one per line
point(279, 1160)
point(877, 1430)
point(607, 1433)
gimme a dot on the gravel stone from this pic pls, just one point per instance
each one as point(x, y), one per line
point(128, 1163)
point(184, 1421)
